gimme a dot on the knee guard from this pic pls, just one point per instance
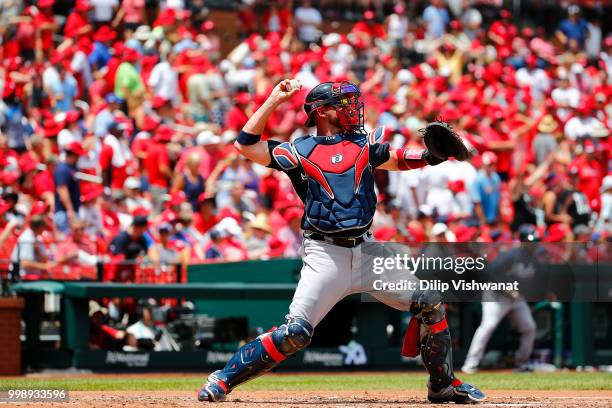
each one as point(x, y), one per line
point(427, 305)
point(293, 336)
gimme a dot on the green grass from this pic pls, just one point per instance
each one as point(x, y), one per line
point(326, 382)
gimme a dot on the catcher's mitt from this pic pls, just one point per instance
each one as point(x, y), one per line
point(442, 142)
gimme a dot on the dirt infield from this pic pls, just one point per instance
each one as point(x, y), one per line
point(327, 399)
point(339, 390)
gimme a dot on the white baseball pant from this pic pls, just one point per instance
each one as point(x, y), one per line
point(329, 274)
point(492, 315)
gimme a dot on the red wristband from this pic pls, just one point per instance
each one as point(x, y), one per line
point(410, 159)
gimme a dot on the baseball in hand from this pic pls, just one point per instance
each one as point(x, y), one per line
point(293, 84)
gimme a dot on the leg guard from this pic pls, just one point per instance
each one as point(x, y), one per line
point(257, 357)
point(435, 345)
point(436, 351)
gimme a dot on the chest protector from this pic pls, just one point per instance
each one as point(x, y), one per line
point(340, 198)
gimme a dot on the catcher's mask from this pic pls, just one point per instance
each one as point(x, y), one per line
point(343, 97)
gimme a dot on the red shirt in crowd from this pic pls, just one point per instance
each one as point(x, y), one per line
point(236, 119)
point(157, 156)
point(74, 23)
point(204, 224)
point(113, 158)
point(374, 30)
point(46, 35)
point(590, 178)
point(6, 250)
point(283, 15)
point(42, 183)
point(504, 31)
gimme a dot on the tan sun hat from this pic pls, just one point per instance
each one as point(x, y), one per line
point(261, 222)
point(547, 124)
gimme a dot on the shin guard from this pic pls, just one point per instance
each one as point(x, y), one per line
point(250, 361)
point(437, 355)
point(435, 343)
point(258, 357)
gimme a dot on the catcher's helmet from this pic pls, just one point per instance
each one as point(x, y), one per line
point(528, 233)
point(344, 97)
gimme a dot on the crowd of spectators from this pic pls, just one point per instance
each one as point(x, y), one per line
point(118, 119)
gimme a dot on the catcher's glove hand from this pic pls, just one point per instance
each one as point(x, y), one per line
point(442, 142)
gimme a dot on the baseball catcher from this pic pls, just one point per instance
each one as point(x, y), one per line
point(333, 173)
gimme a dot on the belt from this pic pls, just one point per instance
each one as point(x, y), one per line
point(346, 242)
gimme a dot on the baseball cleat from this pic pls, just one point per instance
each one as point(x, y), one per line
point(525, 368)
point(213, 390)
point(469, 370)
point(462, 394)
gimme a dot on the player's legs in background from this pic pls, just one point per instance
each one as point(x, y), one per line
point(492, 314)
point(325, 279)
point(523, 320)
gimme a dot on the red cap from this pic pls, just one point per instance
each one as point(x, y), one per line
point(158, 102)
point(45, 3)
point(243, 98)
point(130, 54)
point(150, 123)
point(205, 196)
point(84, 44)
point(51, 128)
point(105, 34)
point(76, 148)
point(177, 198)
point(164, 133)
point(228, 212)
point(505, 13)
point(82, 5)
point(165, 18)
